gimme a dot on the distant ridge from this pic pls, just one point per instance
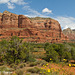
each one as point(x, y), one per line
point(70, 33)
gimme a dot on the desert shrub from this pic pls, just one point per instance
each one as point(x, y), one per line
point(68, 56)
point(36, 50)
point(17, 61)
point(31, 58)
point(58, 52)
point(15, 67)
point(28, 74)
point(33, 64)
point(14, 74)
point(19, 72)
point(22, 65)
point(51, 53)
point(38, 61)
point(38, 45)
point(34, 70)
point(46, 44)
point(3, 68)
point(41, 62)
point(1, 64)
point(40, 56)
point(27, 62)
point(3, 73)
point(73, 53)
point(11, 65)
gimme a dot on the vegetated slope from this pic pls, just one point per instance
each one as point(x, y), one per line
point(30, 29)
point(37, 58)
point(70, 33)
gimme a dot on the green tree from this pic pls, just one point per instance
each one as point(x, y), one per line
point(67, 56)
point(51, 53)
point(61, 51)
point(3, 49)
point(16, 51)
point(47, 44)
point(73, 53)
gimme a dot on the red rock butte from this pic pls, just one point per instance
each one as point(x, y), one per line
point(31, 29)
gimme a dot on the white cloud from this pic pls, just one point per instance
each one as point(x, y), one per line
point(46, 10)
point(4, 1)
point(66, 22)
point(20, 2)
point(10, 6)
point(32, 12)
point(14, 1)
point(26, 7)
point(11, 3)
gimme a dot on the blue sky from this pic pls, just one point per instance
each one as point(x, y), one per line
point(61, 10)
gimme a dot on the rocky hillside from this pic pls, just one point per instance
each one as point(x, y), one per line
point(70, 33)
point(30, 29)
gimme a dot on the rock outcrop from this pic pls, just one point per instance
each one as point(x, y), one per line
point(9, 20)
point(30, 29)
point(70, 33)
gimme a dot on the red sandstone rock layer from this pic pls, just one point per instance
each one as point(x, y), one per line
point(31, 30)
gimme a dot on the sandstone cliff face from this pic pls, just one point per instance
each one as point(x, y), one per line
point(70, 33)
point(24, 22)
point(1, 18)
point(31, 30)
point(9, 20)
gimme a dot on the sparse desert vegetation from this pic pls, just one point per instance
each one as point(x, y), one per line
point(21, 58)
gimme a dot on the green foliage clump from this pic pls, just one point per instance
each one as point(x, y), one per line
point(31, 58)
point(73, 53)
point(58, 52)
point(22, 65)
point(34, 70)
point(41, 62)
point(5, 68)
point(33, 64)
point(15, 67)
point(14, 51)
point(19, 72)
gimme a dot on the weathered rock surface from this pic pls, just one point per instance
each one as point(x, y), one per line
point(9, 20)
point(70, 33)
point(31, 30)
